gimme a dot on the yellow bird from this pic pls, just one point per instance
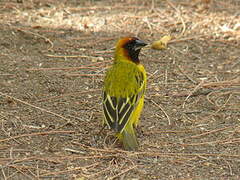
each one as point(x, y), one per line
point(123, 91)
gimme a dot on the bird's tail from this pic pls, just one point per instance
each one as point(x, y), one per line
point(129, 138)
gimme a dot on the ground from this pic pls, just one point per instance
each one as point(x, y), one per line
point(53, 55)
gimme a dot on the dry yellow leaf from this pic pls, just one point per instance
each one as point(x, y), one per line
point(162, 43)
point(80, 178)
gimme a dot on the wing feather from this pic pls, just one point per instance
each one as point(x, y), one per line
point(118, 110)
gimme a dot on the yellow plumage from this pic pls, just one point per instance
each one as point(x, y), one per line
point(123, 91)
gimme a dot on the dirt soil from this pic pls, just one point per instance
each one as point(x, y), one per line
point(53, 56)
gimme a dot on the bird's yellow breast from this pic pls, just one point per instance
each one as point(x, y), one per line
point(120, 80)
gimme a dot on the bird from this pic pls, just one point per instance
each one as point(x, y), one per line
point(123, 91)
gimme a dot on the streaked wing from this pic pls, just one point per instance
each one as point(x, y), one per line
point(117, 111)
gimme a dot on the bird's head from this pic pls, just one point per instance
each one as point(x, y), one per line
point(128, 48)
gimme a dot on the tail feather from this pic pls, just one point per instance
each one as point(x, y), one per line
point(129, 140)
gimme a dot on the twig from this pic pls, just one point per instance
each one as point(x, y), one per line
point(235, 64)
point(77, 56)
point(68, 94)
point(99, 172)
point(180, 69)
point(64, 69)
point(169, 121)
point(100, 150)
point(148, 24)
point(229, 97)
point(4, 176)
point(69, 170)
point(152, 6)
point(67, 56)
point(150, 75)
point(179, 14)
point(186, 154)
point(166, 77)
point(88, 66)
point(7, 75)
point(198, 93)
point(124, 171)
point(213, 142)
point(86, 75)
point(184, 27)
point(35, 134)
point(230, 168)
point(20, 171)
point(194, 90)
point(73, 151)
point(186, 39)
point(209, 100)
point(38, 35)
point(222, 83)
point(36, 107)
point(210, 132)
point(172, 5)
point(168, 131)
point(203, 92)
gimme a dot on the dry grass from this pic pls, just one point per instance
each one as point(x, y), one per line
point(53, 58)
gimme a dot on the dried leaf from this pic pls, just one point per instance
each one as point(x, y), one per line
point(80, 178)
point(162, 43)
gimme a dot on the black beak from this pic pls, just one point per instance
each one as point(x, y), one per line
point(139, 44)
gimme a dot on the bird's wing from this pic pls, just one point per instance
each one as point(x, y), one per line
point(118, 110)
